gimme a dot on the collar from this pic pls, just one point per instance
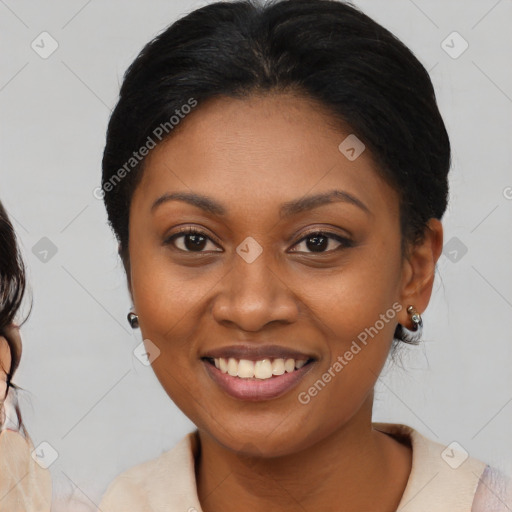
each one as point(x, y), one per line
point(442, 478)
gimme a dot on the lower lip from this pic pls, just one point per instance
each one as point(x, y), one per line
point(257, 389)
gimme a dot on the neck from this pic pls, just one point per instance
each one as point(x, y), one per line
point(355, 468)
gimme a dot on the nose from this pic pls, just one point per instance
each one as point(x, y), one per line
point(253, 295)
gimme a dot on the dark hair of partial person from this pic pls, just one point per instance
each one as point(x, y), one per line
point(12, 291)
point(327, 52)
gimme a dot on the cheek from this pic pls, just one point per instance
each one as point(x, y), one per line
point(356, 309)
point(166, 296)
point(5, 364)
point(352, 300)
point(169, 301)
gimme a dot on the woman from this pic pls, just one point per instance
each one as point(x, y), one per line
point(25, 486)
point(276, 176)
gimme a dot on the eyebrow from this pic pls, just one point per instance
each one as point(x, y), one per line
point(287, 209)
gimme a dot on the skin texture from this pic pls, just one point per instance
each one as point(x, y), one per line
point(12, 331)
point(5, 364)
point(252, 155)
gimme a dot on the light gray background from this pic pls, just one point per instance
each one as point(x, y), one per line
point(86, 395)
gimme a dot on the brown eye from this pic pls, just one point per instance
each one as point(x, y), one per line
point(319, 241)
point(191, 240)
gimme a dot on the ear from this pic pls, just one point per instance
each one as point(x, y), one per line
point(419, 271)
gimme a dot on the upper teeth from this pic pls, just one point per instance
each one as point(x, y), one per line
point(262, 369)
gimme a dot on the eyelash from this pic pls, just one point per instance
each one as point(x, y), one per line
point(345, 242)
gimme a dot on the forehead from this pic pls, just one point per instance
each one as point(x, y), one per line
point(264, 148)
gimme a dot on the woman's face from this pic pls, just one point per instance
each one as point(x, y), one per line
point(13, 334)
point(5, 365)
point(257, 284)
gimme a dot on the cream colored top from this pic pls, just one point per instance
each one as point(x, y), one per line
point(441, 480)
point(25, 486)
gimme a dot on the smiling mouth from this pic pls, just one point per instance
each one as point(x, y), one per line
point(261, 369)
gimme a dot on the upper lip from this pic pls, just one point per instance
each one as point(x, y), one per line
point(256, 352)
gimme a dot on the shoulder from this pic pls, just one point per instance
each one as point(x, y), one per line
point(443, 476)
point(165, 482)
point(494, 492)
point(24, 483)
